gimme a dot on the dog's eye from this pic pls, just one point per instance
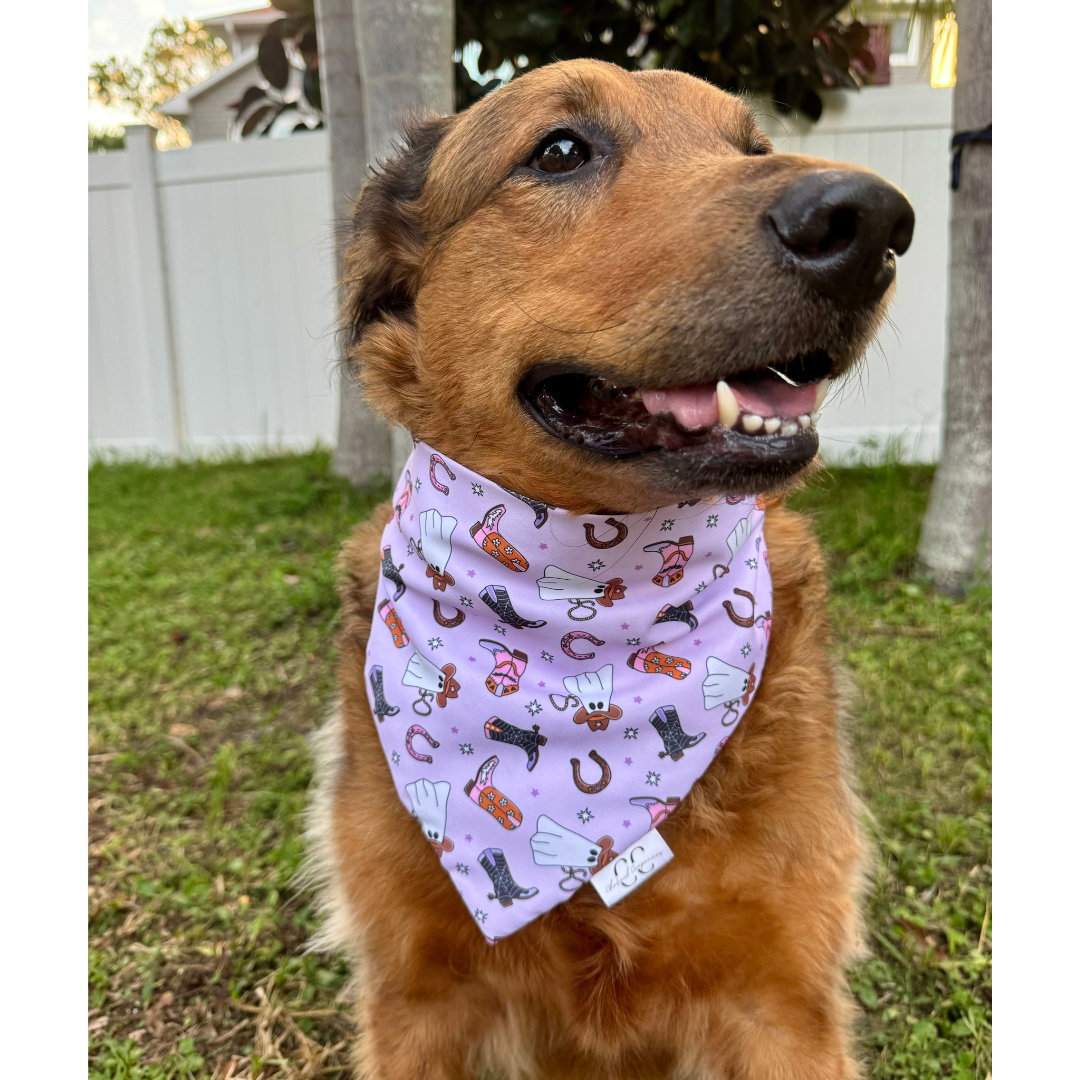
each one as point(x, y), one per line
point(561, 153)
point(758, 149)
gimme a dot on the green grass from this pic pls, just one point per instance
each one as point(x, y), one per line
point(212, 617)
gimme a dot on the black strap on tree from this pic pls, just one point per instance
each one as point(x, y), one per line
point(959, 141)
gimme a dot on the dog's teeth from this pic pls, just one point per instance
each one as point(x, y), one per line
point(814, 417)
point(822, 390)
point(772, 425)
point(804, 421)
point(751, 423)
point(789, 427)
point(729, 407)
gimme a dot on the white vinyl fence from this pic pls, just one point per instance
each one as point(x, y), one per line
point(212, 301)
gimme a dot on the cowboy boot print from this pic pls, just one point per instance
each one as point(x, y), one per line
point(381, 707)
point(390, 571)
point(669, 728)
point(682, 613)
point(487, 536)
point(675, 556)
point(490, 798)
point(658, 808)
point(507, 890)
point(498, 599)
point(540, 509)
point(530, 741)
point(389, 615)
point(509, 667)
point(651, 662)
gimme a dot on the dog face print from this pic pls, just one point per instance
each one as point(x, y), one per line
point(432, 682)
point(726, 684)
point(556, 845)
point(559, 584)
point(435, 547)
point(429, 808)
point(593, 690)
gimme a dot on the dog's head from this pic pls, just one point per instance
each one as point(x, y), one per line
point(603, 289)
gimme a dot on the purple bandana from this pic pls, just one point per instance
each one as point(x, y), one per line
point(548, 685)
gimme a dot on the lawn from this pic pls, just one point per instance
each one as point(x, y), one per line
point(211, 659)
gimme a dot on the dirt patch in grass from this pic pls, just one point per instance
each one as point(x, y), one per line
point(212, 617)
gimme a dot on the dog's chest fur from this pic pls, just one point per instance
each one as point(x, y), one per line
point(753, 920)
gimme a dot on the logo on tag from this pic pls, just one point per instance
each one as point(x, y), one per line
point(637, 864)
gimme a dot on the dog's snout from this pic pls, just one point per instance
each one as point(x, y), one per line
point(841, 232)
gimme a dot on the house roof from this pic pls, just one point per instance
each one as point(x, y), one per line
point(180, 105)
point(245, 18)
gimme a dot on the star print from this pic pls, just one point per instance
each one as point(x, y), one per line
point(395, 757)
point(697, 641)
point(541, 685)
point(585, 815)
point(638, 567)
point(629, 760)
point(546, 656)
point(534, 707)
point(434, 642)
point(626, 626)
point(700, 587)
point(477, 489)
point(418, 483)
point(480, 916)
point(472, 573)
point(462, 868)
point(500, 629)
point(411, 517)
point(464, 601)
point(708, 554)
point(466, 748)
point(597, 564)
point(633, 641)
point(468, 838)
point(543, 547)
point(745, 650)
point(626, 823)
point(535, 792)
point(453, 731)
point(711, 520)
point(637, 701)
point(630, 733)
point(472, 659)
point(752, 563)
point(652, 778)
point(666, 525)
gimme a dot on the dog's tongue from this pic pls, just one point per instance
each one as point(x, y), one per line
point(692, 406)
point(696, 406)
point(773, 397)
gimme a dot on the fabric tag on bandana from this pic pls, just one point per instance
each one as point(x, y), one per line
point(639, 863)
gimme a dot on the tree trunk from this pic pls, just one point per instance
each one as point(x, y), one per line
point(363, 443)
point(406, 65)
point(955, 540)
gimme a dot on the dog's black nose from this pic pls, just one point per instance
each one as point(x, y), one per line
point(841, 232)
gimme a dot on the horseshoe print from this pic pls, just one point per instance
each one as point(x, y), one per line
point(568, 640)
point(605, 774)
point(740, 620)
point(620, 534)
point(442, 620)
point(436, 461)
point(416, 729)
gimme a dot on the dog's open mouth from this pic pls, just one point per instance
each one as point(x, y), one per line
point(753, 416)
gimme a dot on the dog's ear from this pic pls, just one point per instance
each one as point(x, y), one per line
point(387, 236)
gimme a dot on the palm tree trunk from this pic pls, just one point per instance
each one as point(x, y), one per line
point(363, 443)
point(955, 541)
point(406, 65)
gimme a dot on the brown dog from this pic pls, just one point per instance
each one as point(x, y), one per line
point(522, 281)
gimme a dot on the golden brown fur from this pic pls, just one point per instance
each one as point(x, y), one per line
point(730, 963)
